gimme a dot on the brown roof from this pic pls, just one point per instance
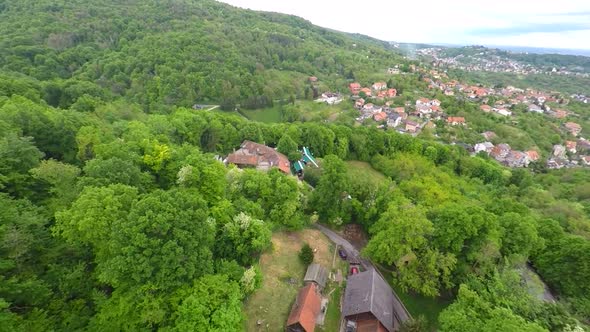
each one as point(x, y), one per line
point(306, 308)
point(254, 154)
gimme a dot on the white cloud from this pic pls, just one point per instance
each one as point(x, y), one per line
point(433, 21)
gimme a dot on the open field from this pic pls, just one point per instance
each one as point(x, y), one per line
point(360, 169)
point(268, 115)
point(283, 277)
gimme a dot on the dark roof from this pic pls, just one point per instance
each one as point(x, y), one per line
point(367, 292)
point(316, 273)
point(306, 308)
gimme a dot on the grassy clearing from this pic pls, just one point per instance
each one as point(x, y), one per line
point(332, 320)
point(419, 305)
point(360, 169)
point(268, 115)
point(272, 302)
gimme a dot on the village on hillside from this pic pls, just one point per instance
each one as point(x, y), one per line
point(376, 104)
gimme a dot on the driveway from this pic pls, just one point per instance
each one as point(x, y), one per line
point(400, 310)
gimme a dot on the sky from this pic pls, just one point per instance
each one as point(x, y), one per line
point(531, 23)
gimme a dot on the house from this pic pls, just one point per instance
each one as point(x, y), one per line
point(449, 92)
point(516, 159)
point(379, 86)
point(435, 102)
point(571, 146)
point(393, 120)
point(366, 91)
point(354, 88)
point(504, 112)
point(456, 120)
point(381, 116)
point(573, 128)
point(586, 160)
point(305, 310)
point(535, 108)
point(316, 274)
point(555, 163)
point(313, 79)
point(423, 101)
point(559, 151)
point(485, 147)
point(412, 126)
point(391, 93)
point(532, 155)
point(259, 156)
point(370, 304)
point(486, 108)
point(359, 103)
point(500, 151)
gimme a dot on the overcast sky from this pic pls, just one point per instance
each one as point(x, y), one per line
point(535, 23)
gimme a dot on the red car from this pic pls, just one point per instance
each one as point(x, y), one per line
point(354, 270)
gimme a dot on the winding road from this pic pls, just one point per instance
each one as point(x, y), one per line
point(400, 310)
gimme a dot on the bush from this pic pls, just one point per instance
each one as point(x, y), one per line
point(306, 254)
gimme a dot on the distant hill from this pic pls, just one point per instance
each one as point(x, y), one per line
point(176, 52)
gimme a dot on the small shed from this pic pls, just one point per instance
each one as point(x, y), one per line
point(316, 274)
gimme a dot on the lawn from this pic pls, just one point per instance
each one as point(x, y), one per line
point(363, 170)
point(282, 278)
point(332, 320)
point(268, 115)
point(419, 305)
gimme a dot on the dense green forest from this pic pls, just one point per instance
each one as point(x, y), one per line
point(116, 214)
point(174, 53)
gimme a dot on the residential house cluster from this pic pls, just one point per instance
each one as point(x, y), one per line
point(504, 154)
point(490, 61)
point(430, 109)
point(581, 98)
point(572, 154)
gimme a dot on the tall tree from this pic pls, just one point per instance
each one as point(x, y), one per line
point(331, 194)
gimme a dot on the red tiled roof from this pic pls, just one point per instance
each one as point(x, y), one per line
point(533, 155)
point(380, 116)
point(306, 308)
point(254, 154)
point(571, 145)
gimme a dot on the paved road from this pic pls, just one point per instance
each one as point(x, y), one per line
point(398, 306)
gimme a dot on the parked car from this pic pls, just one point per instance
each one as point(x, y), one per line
point(342, 253)
point(354, 270)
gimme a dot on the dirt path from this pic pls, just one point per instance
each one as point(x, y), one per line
point(399, 307)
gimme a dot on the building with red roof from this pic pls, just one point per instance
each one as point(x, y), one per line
point(305, 310)
point(259, 156)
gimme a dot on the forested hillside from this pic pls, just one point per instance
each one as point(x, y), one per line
point(117, 215)
point(165, 53)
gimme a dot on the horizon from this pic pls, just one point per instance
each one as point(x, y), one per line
point(534, 25)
